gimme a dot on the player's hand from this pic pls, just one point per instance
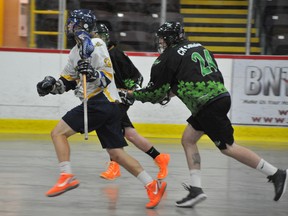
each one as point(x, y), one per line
point(46, 86)
point(126, 98)
point(85, 67)
point(136, 87)
point(165, 100)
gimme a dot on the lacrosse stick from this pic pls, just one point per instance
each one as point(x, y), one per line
point(85, 50)
point(85, 106)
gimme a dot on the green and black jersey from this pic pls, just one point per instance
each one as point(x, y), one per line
point(190, 72)
point(127, 76)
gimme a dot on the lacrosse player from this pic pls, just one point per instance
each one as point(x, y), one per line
point(190, 71)
point(127, 76)
point(89, 58)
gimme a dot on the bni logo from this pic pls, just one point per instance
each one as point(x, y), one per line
point(266, 81)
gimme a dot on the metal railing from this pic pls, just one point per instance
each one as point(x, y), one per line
point(62, 12)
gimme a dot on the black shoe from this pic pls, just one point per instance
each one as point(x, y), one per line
point(279, 179)
point(195, 196)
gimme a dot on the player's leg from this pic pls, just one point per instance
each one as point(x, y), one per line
point(160, 159)
point(220, 130)
point(125, 160)
point(67, 180)
point(112, 139)
point(59, 137)
point(244, 155)
point(112, 172)
point(71, 122)
point(189, 143)
point(155, 189)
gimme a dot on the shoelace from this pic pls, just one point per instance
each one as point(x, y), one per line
point(270, 179)
point(110, 167)
point(63, 178)
point(186, 187)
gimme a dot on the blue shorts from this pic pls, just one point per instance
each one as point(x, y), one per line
point(103, 117)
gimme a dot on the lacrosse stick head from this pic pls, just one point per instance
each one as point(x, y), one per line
point(85, 44)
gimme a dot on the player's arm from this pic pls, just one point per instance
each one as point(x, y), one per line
point(50, 85)
point(99, 68)
point(66, 82)
point(131, 76)
point(135, 80)
point(126, 73)
point(158, 87)
point(152, 93)
point(156, 91)
point(99, 77)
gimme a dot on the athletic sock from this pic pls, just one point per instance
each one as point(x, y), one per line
point(144, 177)
point(65, 167)
point(152, 152)
point(266, 168)
point(195, 175)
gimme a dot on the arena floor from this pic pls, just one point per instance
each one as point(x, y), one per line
point(29, 168)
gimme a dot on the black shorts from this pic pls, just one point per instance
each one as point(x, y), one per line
point(103, 117)
point(213, 120)
point(125, 120)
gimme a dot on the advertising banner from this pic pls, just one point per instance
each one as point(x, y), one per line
point(260, 92)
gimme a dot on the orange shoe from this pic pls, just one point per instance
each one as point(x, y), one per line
point(162, 162)
point(155, 191)
point(65, 183)
point(112, 172)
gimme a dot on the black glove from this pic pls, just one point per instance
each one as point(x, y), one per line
point(136, 87)
point(85, 67)
point(126, 99)
point(46, 86)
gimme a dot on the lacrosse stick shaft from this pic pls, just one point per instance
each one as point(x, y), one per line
point(85, 51)
point(85, 106)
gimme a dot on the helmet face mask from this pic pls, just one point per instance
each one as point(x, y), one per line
point(104, 36)
point(80, 20)
point(101, 31)
point(161, 44)
point(71, 27)
point(171, 33)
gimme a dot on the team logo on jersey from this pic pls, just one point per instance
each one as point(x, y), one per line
point(98, 44)
point(108, 62)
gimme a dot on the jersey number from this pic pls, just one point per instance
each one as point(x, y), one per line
point(211, 66)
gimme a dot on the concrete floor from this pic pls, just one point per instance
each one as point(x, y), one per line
point(28, 168)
